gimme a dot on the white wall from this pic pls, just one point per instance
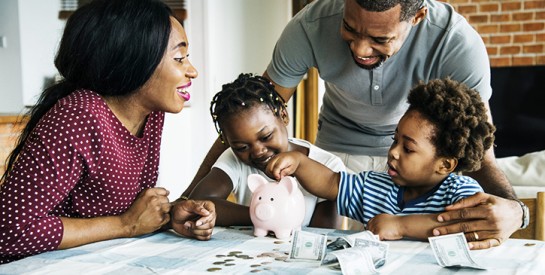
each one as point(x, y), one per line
point(11, 97)
point(226, 38)
point(32, 31)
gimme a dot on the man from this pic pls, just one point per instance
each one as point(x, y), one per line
point(370, 53)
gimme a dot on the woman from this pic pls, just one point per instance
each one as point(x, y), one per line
point(86, 164)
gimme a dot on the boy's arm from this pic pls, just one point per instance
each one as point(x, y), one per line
point(312, 175)
point(394, 227)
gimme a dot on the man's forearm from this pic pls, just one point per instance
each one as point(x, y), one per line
point(213, 154)
point(492, 179)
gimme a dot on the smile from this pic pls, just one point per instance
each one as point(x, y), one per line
point(182, 91)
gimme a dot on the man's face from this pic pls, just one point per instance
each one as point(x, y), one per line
point(373, 37)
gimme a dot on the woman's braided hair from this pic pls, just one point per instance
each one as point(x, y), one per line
point(242, 94)
point(461, 123)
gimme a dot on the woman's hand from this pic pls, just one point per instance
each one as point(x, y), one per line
point(386, 226)
point(486, 220)
point(148, 212)
point(193, 218)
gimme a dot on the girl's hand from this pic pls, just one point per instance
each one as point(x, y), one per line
point(387, 226)
point(195, 219)
point(148, 212)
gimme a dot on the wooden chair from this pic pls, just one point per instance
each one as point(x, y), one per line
point(536, 228)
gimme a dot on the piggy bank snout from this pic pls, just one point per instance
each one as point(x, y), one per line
point(264, 211)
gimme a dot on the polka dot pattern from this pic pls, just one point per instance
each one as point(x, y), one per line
point(79, 161)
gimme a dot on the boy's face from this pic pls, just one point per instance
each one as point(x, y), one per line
point(412, 161)
point(256, 135)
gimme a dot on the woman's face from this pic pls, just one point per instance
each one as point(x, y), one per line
point(168, 88)
point(256, 135)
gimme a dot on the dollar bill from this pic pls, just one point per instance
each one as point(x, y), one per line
point(307, 246)
point(355, 260)
point(365, 240)
point(377, 249)
point(452, 250)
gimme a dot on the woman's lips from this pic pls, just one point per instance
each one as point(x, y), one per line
point(182, 91)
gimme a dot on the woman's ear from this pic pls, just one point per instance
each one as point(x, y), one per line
point(285, 116)
point(447, 165)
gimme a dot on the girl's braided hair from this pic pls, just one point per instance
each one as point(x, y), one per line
point(461, 123)
point(245, 92)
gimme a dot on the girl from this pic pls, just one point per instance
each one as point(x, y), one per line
point(251, 117)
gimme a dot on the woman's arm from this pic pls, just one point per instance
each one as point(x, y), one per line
point(147, 214)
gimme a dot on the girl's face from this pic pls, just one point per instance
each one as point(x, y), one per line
point(167, 89)
point(256, 135)
point(411, 159)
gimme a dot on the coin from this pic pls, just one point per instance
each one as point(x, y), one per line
point(213, 269)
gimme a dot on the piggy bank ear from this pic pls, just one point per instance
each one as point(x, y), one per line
point(288, 182)
point(256, 180)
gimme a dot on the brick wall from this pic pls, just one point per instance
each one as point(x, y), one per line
point(513, 31)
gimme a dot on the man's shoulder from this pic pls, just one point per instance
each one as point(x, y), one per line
point(321, 9)
point(442, 15)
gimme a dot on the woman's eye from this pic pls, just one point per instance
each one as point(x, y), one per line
point(181, 59)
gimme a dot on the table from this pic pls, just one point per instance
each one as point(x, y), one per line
point(235, 250)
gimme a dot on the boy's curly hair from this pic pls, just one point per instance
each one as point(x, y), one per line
point(242, 94)
point(460, 120)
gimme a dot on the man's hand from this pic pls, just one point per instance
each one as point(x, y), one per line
point(486, 220)
point(193, 218)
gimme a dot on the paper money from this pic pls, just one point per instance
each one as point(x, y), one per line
point(307, 246)
point(377, 249)
point(355, 260)
point(365, 240)
point(452, 250)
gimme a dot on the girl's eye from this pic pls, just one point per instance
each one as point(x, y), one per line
point(181, 59)
point(267, 137)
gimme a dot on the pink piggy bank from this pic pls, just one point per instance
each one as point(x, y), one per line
point(275, 206)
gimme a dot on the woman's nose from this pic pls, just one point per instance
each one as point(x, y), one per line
point(191, 72)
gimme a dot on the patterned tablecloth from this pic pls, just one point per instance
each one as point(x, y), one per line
point(236, 251)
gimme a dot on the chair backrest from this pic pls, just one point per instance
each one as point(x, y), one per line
point(536, 228)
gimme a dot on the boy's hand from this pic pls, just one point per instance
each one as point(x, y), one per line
point(283, 164)
point(386, 226)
